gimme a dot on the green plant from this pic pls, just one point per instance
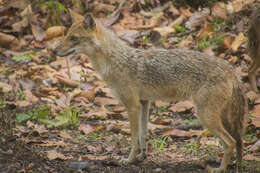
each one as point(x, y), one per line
point(56, 7)
point(180, 28)
point(250, 137)
point(67, 117)
point(191, 148)
point(160, 143)
point(35, 114)
point(191, 121)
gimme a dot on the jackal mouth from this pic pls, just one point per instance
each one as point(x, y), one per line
point(64, 53)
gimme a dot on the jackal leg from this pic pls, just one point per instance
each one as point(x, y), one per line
point(252, 75)
point(133, 109)
point(212, 121)
point(143, 122)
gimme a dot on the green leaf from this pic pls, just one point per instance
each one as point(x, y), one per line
point(21, 58)
point(22, 117)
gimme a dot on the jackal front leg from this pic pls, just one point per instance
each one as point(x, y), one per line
point(133, 110)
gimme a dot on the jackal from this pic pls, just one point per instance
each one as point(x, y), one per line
point(137, 76)
point(253, 48)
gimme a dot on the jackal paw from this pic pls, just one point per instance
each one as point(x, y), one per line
point(141, 156)
point(217, 170)
point(126, 161)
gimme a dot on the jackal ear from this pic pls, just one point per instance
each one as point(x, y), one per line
point(89, 21)
point(75, 16)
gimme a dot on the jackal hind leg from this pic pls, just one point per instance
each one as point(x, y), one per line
point(211, 120)
point(252, 75)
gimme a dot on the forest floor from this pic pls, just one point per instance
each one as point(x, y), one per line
point(56, 115)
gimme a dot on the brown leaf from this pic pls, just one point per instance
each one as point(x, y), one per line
point(86, 129)
point(53, 154)
point(54, 31)
point(64, 135)
point(53, 143)
point(90, 94)
point(5, 88)
point(256, 110)
point(181, 106)
point(237, 5)
point(256, 121)
point(164, 31)
point(159, 103)
point(113, 127)
point(105, 101)
point(240, 39)
point(176, 133)
point(219, 10)
point(207, 30)
point(38, 32)
point(228, 41)
point(251, 157)
point(197, 19)
point(8, 41)
point(30, 97)
point(66, 81)
point(186, 12)
point(160, 121)
point(233, 59)
point(256, 147)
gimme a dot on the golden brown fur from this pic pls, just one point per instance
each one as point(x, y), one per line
point(138, 76)
point(254, 48)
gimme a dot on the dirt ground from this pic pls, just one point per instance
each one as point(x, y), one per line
point(24, 153)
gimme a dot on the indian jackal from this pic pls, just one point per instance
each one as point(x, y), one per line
point(254, 48)
point(138, 76)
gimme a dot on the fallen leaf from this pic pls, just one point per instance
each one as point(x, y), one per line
point(256, 120)
point(164, 31)
point(53, 154)
point(5, 87)
point(176, 133)
point(54, 31)
point(86, 129)
point(186, 12)
point(53, 143)
point(197, 19)
point(105, 101)
point(113, 127)
point(219, 10)
point(256, 147)
point(65, 135)
point(233, 59)
point(206, 31)
point(240, 39)
point(38, 32)
point(90, 94)
point(181, 106)
point(237, 5)
point(256, 110)
point(66, 81)
point(8, 41)
point(251, 157)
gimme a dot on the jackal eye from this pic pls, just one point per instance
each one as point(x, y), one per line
point(73, 38)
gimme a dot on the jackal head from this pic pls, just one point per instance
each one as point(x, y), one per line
point(79, 38)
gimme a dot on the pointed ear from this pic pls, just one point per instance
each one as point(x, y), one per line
point(75, 16)
point(89, 21)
